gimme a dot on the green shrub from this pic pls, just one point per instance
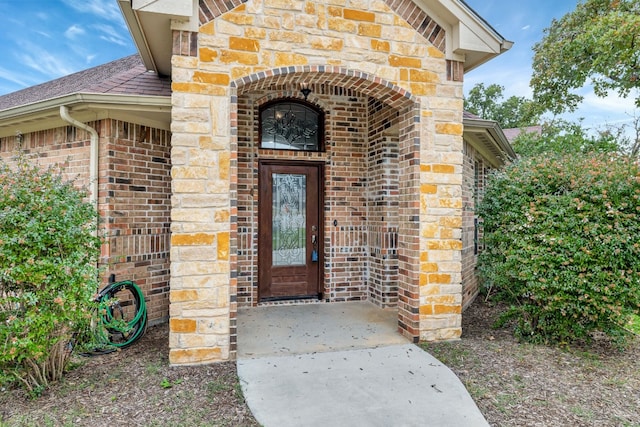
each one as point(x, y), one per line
point(562, 238)
point(48, 272)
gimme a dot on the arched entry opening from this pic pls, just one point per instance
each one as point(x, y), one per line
point(365, 193)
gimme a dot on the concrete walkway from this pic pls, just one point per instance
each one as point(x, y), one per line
point(343, 365)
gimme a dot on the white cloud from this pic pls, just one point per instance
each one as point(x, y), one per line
point(46, 62)
point(106, 9)
point(526, 27)
point(44, 34)
point(598, 113)
point(15, 78)
point(110, 34)
point(74, 31)
point(612, 103)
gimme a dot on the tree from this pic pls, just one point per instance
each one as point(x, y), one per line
point(564, 137)
point(487, 103)
point(598, 44)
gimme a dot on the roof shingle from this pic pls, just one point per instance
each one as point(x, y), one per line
point(122, 76)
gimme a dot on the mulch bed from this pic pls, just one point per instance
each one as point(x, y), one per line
point(514, 384)
point(519, 384)
point(135, 387)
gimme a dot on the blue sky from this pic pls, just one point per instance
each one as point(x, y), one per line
point(523, 22)
point(45, 39)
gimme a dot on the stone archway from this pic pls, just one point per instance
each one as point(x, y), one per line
point(373, 184)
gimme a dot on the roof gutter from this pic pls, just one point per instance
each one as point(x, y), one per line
point(496, 132)
point(94, 152)
point(150, 110)
point(130, 102)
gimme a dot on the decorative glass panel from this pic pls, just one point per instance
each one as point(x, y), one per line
point(290, 126)
point(289, 219)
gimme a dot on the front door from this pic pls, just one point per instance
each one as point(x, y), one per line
point(290, 231)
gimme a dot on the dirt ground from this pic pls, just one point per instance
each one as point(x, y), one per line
point(135, 387)
point(513, 384)
point(517, 384)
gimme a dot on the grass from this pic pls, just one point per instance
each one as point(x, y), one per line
point(583, 413)
point(214, 387)
point(225, 385)
point(449, 353)
point(634, 324)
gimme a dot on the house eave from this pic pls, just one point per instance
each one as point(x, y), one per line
point(154, 111)
point(487, 137)
point(151, 24)
point(470, 39)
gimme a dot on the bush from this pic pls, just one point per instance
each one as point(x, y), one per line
point(48, 272)
point(563, 245)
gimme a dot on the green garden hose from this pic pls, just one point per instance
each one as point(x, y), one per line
point(123, 332)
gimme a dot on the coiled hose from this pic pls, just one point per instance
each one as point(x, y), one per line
point(123, 332)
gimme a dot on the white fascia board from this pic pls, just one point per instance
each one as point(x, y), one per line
point(144, 109)
point(469, 37)
point(190, 23)
point(150, 23)
point(176, 9)
point(493, 136)
point(465, 40)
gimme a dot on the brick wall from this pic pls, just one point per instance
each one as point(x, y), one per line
point(475, 171)
point(135, 199)
point(382, 197)
point(360, 199)
point(64, 146)
point(133, 196)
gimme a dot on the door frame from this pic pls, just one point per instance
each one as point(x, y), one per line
point(320, 167)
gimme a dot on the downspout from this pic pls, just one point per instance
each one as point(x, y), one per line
point(93, 154)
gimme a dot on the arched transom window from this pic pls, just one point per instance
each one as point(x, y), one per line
point(291, 125)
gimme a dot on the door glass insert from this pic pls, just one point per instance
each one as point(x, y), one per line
point(289, 219)
point(290, 126)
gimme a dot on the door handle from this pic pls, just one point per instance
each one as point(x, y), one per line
point(314, 252)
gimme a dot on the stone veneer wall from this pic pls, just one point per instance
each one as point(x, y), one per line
point(133, 197)
point(364, 46)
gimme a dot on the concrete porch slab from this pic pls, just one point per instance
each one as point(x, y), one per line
point(307, 328)
point(343, 365)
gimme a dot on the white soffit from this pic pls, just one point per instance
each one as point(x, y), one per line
point(470, 38)
point(151, 22)
point(174, 8)
point(147, 110)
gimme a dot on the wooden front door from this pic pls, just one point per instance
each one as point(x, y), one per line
point(290, 231)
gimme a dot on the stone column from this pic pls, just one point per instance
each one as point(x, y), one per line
point(200, 307)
